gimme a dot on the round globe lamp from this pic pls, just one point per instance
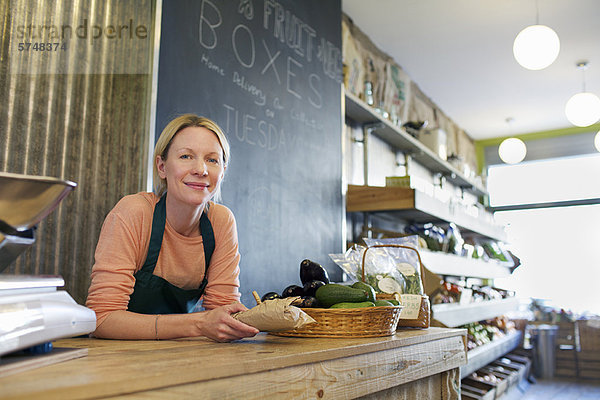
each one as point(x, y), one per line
point(536, 47)
point(512, 150)
point(583, 109)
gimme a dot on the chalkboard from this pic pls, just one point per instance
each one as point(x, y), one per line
point(269, 73)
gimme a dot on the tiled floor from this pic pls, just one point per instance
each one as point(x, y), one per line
point(558, 389)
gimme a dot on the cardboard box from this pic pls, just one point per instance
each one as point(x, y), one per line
point(411, 182)
point(436, 140)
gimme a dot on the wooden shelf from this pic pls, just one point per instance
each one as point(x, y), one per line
point(453, 314)
point(415, 206)
point(450, 264)
point(362, 113)
point(483, 355)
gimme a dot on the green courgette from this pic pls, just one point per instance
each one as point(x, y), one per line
point(333, 293)
point(366, 287)
point(362, 304)
point(383, 303)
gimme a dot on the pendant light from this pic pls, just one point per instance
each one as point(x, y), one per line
point(583, 109)
point(512, 150)
point(537, 46)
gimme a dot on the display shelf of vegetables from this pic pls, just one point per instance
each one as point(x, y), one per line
point(359, 111)
point(415, 206)
point(453, 314)
point(451, 264)
point(485, 354)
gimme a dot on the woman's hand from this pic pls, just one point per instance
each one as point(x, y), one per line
point(219, 325)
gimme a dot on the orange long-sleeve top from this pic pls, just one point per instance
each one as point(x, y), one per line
point(123, 246)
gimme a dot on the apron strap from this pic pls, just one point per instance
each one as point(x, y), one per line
point(208, 241)
point(159, 219)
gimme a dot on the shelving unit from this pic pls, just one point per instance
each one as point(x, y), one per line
point(362, 113)
point(415, 206)
point(450, 264)
point(453, 314)
point(489, 352)
point(412, 206)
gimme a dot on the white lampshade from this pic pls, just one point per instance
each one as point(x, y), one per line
point(597, 141)
point(536, 47)
point(583, 109)
point(512, 150)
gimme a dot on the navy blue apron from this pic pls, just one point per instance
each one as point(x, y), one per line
point(155, 295)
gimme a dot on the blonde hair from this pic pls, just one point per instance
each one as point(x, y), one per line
point(166, 138)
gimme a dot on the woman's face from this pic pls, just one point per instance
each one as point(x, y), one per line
point(194, 166)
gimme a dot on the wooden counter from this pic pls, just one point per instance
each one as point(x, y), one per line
point(265, 366)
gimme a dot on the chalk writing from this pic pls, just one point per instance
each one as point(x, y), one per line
point(330, 57)
point(301, 116)
point(289, 29)
point(239, 33)
point(291, 82)
point(246, 9)
point(240, 80)
point(271, 62)
point(257, 132)
point(290, 71)
point(211, 66)
point(207, 35)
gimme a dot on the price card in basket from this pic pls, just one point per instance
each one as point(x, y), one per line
point(412, 305)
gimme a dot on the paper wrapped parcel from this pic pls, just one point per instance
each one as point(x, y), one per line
point(275, 315)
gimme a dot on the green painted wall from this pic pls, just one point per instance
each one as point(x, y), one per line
point(480, 145)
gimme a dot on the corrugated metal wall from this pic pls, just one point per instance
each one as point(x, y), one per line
point(78, 121)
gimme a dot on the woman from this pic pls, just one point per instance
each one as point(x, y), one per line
point(159, 253)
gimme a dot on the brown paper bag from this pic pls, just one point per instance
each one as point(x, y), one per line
point(275, 315)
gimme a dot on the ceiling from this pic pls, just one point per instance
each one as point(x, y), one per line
point(459, 52)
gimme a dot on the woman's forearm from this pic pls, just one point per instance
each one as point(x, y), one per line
point(216, 324)
point(129, 325)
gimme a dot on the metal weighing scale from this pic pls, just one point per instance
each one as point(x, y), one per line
point(32, 311)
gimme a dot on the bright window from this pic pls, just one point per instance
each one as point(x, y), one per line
point(558, 247)
point(571, 178)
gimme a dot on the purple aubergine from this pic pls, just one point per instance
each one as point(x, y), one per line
point(270, 296)
point(310, 288)
point(292, 290)
point(312, 271)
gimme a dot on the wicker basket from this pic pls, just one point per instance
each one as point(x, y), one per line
point(348, 322)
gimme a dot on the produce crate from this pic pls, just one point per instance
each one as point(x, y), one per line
point(566, 363)
point(589, 334)
point(504, 380)
point(588, 363)
point(520, 357)
point(473, 393)
point(511, 375)
point(516, 370)
point(565, 336)
point(499, 387)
